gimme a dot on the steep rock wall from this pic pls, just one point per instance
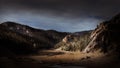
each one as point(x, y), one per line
point(105, 37)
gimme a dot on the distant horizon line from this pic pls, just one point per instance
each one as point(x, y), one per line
point(43, 28)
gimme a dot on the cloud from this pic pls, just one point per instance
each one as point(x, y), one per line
point(62, 15)
point(103, 8)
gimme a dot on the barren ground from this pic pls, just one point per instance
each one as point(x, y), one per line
point(60, 59)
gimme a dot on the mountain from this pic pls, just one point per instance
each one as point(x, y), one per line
point(75, 41)
point(106, 37)
point(22, 38)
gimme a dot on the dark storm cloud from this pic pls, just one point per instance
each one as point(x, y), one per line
point(102, 8)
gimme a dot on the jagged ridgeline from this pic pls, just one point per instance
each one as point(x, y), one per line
point(75, 41)
point(21, 38)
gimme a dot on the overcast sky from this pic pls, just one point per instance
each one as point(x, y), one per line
point(60, 15)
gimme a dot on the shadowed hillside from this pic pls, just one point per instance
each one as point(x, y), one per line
point(21, 38)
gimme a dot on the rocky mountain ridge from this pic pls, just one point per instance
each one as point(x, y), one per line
point(106, 37)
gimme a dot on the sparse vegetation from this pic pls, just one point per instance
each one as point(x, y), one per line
point(77, 43)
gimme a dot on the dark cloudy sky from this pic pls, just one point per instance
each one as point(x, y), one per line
point(60, 15)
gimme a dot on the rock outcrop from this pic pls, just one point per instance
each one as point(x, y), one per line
point(106, 37)
point(74, 42)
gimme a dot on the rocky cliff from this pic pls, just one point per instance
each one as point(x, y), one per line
point(106, 37)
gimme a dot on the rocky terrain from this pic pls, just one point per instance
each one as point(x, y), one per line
point(99, 48)
point(106, 37)
point(74, 42)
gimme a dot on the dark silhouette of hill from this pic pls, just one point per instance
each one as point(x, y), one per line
point(23, 39)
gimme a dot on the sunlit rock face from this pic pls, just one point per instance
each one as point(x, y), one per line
point(71, 37)
point(74, 42)
point(67, 39)
point(106, 36)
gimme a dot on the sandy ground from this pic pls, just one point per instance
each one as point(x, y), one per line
point(56, 56)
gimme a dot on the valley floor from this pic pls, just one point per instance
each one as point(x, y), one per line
point(60, 59)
